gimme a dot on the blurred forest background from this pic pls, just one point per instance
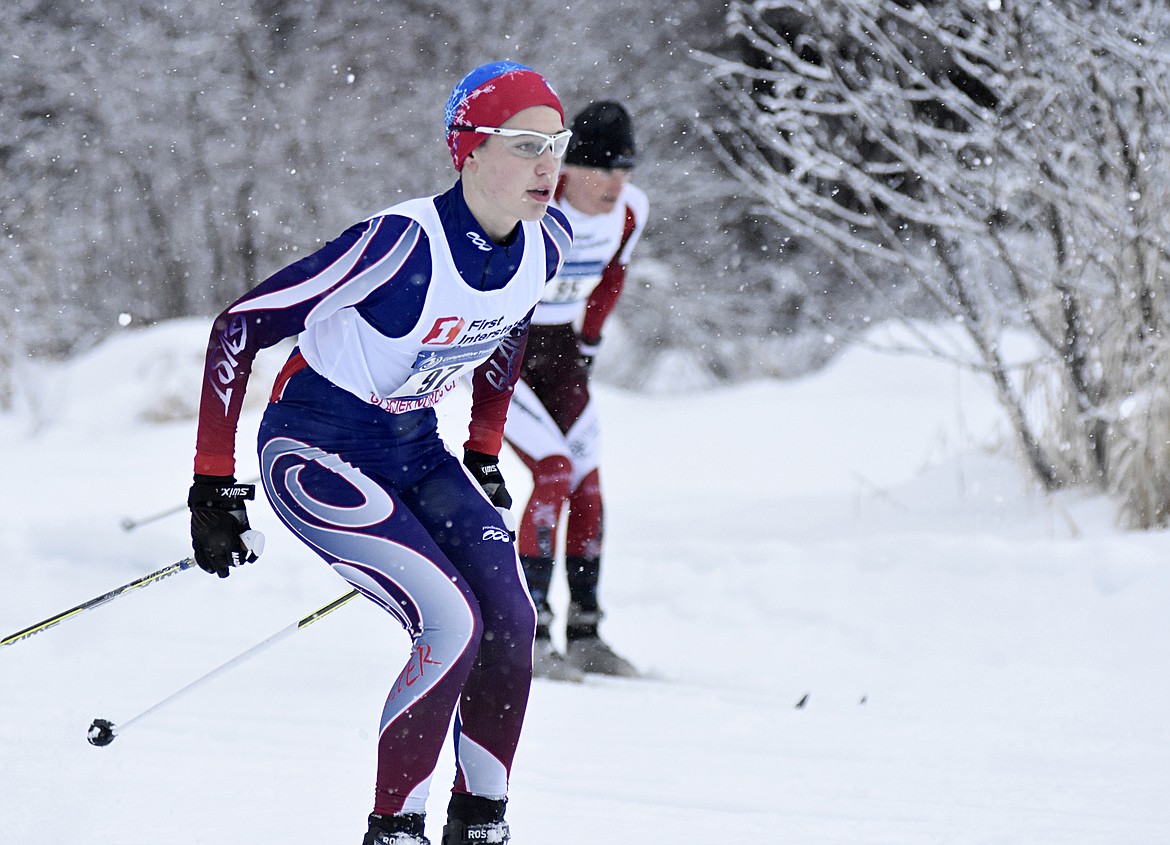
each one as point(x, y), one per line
point(814, 168)
point(167, 156)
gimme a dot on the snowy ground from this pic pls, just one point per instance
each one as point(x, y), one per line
point(982, 664)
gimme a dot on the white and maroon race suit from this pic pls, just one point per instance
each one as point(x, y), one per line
point(389, 315)
point(553, 425)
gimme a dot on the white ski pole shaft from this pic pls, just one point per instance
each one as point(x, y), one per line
point(103, 731)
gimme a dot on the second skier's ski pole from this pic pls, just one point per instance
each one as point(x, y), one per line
point(102, 731)
point(145, 580)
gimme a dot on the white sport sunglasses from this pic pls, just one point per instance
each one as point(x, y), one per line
point(531, 144)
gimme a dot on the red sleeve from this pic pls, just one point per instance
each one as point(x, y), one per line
point(605, 295)
point(492, 384)
point(227, 366)
point(602, 300)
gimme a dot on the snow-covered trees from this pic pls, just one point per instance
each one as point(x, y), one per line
point(1000, 162)
point(159, 159)
point(1006, 158)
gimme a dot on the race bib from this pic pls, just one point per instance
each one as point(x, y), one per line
point(435, 368)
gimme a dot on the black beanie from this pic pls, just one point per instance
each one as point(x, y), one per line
point(603, 136)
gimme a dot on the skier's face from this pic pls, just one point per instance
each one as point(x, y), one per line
point(594, 190)
point(503, 187)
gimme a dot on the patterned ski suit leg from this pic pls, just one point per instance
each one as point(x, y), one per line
point(380, 498)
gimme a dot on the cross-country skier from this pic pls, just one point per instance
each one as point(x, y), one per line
point(390, 315)
point(553, 425)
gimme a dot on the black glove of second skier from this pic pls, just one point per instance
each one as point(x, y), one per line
point(486, 470)
point(220, 534)
point(586, 352)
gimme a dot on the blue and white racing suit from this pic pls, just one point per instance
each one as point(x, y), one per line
point(389, 316)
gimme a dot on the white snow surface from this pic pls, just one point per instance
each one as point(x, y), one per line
point(982, 663)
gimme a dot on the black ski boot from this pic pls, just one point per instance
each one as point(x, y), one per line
point(587, 651)
point(547, 662)
point(402, 829)
point(472, 820)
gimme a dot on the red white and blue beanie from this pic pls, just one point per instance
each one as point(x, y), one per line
point(488, 96)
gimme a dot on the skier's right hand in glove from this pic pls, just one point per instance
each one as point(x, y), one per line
point(220, 534)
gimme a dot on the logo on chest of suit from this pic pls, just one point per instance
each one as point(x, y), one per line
point(444, 331)
point(480, 243)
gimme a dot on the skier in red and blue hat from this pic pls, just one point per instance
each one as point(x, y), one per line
point(388, 316)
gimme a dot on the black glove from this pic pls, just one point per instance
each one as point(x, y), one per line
point(220, 534)
point(586, 352)
point(486, 470)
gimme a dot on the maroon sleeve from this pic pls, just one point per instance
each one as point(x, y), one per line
point(230, 351)
point(602, 301)
point(605, 295)
point(492, 384)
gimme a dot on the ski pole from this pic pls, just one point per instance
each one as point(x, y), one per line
point(102, 731)
point(144, 581)
point(129, 523)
